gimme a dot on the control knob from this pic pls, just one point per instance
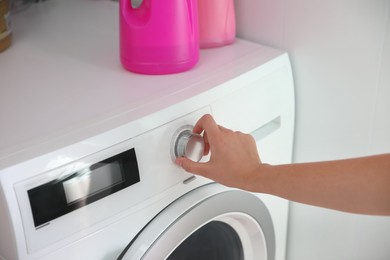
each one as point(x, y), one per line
point(187, 144)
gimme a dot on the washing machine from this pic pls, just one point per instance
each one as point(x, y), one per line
point(90, 174)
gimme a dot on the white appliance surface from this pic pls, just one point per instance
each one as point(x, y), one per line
point(66, 103)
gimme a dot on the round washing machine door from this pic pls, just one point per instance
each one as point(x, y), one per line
point(209, 223)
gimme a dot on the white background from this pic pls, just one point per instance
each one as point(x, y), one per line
point(340, 52)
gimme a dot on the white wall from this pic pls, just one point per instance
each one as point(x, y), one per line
point(340, 51)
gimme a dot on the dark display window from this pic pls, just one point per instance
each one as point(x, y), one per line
point(214, 241)
point(59, 197)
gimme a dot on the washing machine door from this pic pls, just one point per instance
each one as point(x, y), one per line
point(209, 223)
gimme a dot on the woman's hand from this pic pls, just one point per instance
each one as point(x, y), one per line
point(234, 159)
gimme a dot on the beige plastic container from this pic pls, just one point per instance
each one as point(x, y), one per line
point(5, 28)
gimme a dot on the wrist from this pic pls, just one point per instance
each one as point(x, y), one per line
point(263, 179)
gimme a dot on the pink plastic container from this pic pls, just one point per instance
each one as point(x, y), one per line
point(217, 23)
point(159, 36)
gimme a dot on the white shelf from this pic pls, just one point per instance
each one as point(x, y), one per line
point(62, 82)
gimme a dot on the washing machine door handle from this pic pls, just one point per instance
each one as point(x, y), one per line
point(242, 212)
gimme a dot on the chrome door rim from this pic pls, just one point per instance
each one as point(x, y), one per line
point(180, 219)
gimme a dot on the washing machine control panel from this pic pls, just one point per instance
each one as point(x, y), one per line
point(108, 183)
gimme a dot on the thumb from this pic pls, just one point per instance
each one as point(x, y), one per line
point(190, 166)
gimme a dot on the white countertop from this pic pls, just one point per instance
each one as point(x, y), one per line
point(61, 81)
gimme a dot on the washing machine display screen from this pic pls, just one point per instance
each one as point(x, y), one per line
point(90, 181)
point(61, 196)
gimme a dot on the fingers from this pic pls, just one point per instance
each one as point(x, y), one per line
point(190, 166)
point(210, 128)
point(206, 123)
point(206, 144)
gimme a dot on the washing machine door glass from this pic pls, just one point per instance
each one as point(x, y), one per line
point(211, 222)
point(214, 241)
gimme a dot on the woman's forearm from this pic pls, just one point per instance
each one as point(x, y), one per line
point(360, 185)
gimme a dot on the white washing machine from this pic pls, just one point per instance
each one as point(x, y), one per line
point(89, 174)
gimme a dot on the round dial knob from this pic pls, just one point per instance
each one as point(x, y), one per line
point(185, 143)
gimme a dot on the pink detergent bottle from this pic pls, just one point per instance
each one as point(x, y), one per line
point(159, 36)
point(217, 23)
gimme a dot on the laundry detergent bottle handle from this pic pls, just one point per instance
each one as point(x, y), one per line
point(217, 23)
point(159, 36)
